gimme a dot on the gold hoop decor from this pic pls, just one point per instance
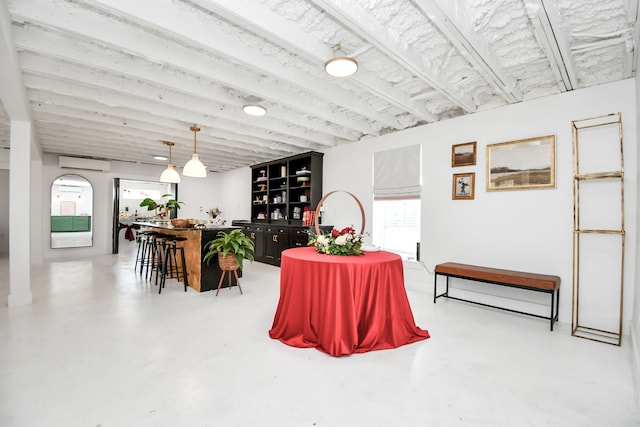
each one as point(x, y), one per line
point(339, 191)
point(338, 242)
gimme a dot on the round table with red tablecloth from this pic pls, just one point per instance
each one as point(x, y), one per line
point(343, 304)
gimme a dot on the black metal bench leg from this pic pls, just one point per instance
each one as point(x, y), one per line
point(435, 287)
point(552, 317)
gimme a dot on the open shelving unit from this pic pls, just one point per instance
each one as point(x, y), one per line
point(598, 239)
point(283, 189)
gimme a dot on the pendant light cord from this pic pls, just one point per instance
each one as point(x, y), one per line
point(195, 130)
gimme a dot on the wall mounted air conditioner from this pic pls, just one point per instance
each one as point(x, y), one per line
point(84, 164)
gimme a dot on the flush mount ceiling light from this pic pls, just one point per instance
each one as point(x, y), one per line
point(340, 66)
point(170, 174)
point(254, 109)
point(195, 167)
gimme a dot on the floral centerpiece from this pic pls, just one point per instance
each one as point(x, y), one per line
point(338, 242)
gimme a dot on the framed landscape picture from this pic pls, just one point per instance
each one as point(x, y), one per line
point(463, 186)
point(463, 154)
point(527, 163)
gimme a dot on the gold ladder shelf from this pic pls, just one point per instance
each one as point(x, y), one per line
point(596, 295)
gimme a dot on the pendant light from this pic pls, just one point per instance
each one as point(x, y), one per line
point(170, 174)
point(195, 167)
point(340, 66)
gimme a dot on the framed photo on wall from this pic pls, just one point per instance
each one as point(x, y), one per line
point(522, 164)
point(463, 154)
point(463, 186)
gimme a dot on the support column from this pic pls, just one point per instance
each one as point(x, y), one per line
point(19, 214)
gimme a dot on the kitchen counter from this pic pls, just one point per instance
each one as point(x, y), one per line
point(202, 276)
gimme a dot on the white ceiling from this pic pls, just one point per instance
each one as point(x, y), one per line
point(111, 79)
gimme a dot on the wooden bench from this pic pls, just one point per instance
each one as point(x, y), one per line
point(515, 279)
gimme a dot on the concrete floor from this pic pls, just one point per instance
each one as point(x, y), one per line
point(100, 347)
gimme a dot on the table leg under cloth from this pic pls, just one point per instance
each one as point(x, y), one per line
point(343, 305)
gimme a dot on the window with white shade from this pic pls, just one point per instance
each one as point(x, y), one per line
point(396, 205)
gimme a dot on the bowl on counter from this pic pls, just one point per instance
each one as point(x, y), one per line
point(180, 222)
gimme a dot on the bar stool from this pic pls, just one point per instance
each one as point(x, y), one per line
point(141, 240)
point(169, 261)
point(150, 255)
point(157, 264)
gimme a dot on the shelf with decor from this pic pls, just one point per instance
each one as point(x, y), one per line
point(286, 191)
point(284, 195)
point(259, 194)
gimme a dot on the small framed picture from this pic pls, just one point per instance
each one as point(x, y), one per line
point(463, 154)
point(463, 186)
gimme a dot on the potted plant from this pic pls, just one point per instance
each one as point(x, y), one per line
point(232, 248)
point(153, 205)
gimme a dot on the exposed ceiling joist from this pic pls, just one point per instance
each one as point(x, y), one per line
point(113, 78)
point(473, 49)
point(352, 16)
point(548, 32)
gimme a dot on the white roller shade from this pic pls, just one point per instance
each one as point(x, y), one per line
point(396, 173)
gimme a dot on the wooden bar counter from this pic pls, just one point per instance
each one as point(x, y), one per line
point(202, 276)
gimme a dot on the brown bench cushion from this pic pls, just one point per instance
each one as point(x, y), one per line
point(516, 278)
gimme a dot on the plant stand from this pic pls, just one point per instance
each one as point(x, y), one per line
point(228, 264)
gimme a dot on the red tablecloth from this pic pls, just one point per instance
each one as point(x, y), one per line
point(343, 304)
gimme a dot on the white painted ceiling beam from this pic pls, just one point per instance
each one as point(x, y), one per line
point(93, 65)
point(12, 96)
point(137, 81)
point(133, 88)
point(102, 127)
point(545, 21)
point(471, 48)
point(173, 105)
point(260, 20)
point(43, 86)
point(632, 17)
point(109, 145)
point(188, 28)
point(225, 142)
point(139, 137)
point(353, 17)
point(130, 48)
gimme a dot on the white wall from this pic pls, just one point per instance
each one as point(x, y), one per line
point(235, 194)
point(635, 324)
point(4, 213)
point(527, 230)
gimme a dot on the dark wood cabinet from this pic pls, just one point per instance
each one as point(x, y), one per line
point(256, 234)
point(283, 190)
point(276, 240)
point(298, 238)
point(271, 240)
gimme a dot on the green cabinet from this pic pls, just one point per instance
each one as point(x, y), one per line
point(68, 223)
